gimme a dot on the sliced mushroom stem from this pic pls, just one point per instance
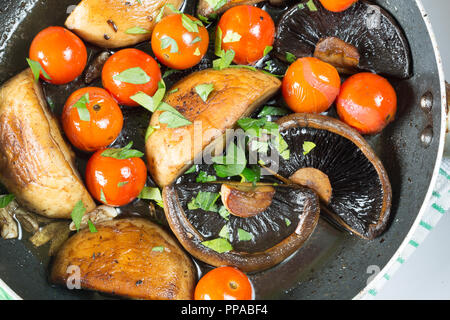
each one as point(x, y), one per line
point(9, 228)
point(246, 201)
point(315, 180)
point(340, 54)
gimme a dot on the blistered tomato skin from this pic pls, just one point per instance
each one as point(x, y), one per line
point(367, 102)
point(248, 31)
point(115, 182)
point(61, 53)
point(310, 85)
point(224, 283)
point(130, 59)
point(103, 126)
point(337, 5)
point(175, 46)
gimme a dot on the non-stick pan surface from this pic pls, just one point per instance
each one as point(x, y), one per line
point(333, 264)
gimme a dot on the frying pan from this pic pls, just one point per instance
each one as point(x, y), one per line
point(333, 264)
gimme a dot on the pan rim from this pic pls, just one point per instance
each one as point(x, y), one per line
point(377, 282)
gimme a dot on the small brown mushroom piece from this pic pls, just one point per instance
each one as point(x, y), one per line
point(364, 37)
point(246, 200)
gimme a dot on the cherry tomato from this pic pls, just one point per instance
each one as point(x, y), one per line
point(61, 54)
point(337, 5)
point(248, 31)
point(224, 283)
point(367, 102)
point(133, 62)
point(175, 46)
point(310, 85)
point(115, 182)
point(103, 125)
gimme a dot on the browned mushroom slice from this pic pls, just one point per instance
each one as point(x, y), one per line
point(363, 37)
point(246, 201)
point(106, 23)
point(208, 7)
point(131, 257)
point(348, 168)
point(36, 165)
point(237, 92)
point(252, 243)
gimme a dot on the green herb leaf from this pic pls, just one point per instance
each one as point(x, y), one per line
point(144, 100)
point(204, 19)
point(251, 174)
point(154, 194)
point(224, 232)
point(5, 200)
point(231, 37)
point(169, 72)
point(36, 68)
point(290, 57)
point(203, 90)
point(122, 183)
point(232, 164)
point(191, 170)
point(311, 6)
point(287, 221)
point(102, 196)
point(267, 50)
point(172, 117)
point(189, 24)
point(167, 42)
point(216, 4)
point(92, 227)
point(225, 60)
point(197, 52)
point(122, 153)
point(272, 111)
point(308, 146)
point(150, 131)
point(77, 214)
point(244, 235)
point(218, 43)
point(137, 30)
point(82, 109)
point(195, 40)
point(224, 213)
point(205, 201)
point(158, 249)
point(219, 245)
point(133, 76)
point(204, 177)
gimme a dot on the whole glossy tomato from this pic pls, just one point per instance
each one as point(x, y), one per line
point(249, 31)
point(337, 5)
point(115, 176)
point(128, 72)
point(310, 85)
point(224, 283)
point(180, 41)
point(367, 102)
point(91, 119)
point(61, 53)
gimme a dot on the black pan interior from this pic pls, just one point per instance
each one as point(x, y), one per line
point(333, 264)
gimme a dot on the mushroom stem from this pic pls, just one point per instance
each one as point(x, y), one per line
point(340, 54)
point(315, 180)
point(246, 201)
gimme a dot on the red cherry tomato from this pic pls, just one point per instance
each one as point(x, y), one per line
point(61, 54)
point(175, 46)
point(337, 5)
point(115, 182)
point(143, 75)
point(248, 31)
point(103, 125)
point(310, 85)
point(224, 283)
point(367, 102)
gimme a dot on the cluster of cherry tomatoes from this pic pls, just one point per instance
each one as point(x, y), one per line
point(92, 119)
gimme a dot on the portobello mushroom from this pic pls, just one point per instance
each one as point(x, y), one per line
point(207, 8)
point(361, 194)
point(107, 23)
point(363, 37)
point(36, 164)
point(237, 92)
point(282, 218)
point(131, 257)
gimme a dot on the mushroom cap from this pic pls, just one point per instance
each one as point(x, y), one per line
point(205, 8)
point(237, 93)
point(381, 42)
point(361, 191)
point(277, 232)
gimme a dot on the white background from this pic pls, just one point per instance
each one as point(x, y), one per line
point(426, 274)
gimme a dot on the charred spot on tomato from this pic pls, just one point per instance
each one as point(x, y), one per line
point(97, 107)
point(376, 35)
point(361, 192)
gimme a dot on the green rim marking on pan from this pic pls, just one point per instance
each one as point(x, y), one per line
point(400, 260)
point(413, 243)
point(425, 225)
point(444, 173)
point(373, 292)
point(4, 295)
point(436, 194)
point(438, 208)
point(387, 277)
